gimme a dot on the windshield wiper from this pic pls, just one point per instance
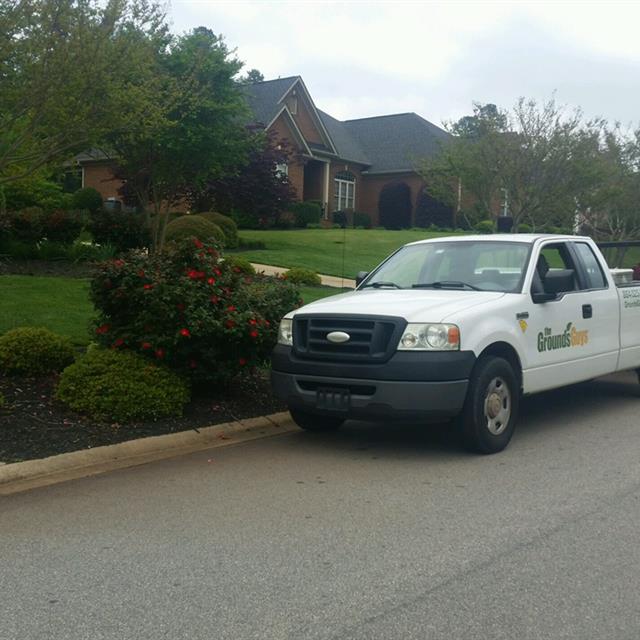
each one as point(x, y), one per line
point(445, 284)
point(382, 283)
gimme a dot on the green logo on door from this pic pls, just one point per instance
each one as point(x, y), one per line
point(570, 337)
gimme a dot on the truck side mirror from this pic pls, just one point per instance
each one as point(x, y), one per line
point(540, 298)
point(360, 277)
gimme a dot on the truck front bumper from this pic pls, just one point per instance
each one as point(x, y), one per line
point(371, 399)
point(412, 386)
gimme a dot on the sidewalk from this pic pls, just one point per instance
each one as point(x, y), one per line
point(327, 281)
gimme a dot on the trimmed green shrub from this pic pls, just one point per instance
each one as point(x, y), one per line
point(340, 219)
point(305, 213)
point(307, 277)
point(34, 351)
point(121, 386)
point(193, 227)
point(314, 225)
point(87, 198)
point(525, 228)
point(190, 309)
point(361, 220)
point(119, 229)
point(563, 231)
point(485, 227)
point(228, 226)
point(240, 265)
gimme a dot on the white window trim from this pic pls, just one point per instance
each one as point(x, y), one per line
point(341, 194)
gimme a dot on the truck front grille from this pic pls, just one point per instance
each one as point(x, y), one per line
point(371, 339)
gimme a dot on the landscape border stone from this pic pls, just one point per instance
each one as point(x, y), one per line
point(22, 476)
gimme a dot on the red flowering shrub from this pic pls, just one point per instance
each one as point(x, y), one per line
point(189, 308)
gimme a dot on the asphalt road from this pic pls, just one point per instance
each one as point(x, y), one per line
point(376, 532)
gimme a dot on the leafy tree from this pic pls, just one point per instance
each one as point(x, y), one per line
point(260, 190)
point(194, 134)
point(608, 203)
point(251, 77)
point(70, 72)
point(530, 156)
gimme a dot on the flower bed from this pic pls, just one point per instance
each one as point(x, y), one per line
point(35, 425)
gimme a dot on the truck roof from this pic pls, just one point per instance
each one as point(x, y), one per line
point(527, 238)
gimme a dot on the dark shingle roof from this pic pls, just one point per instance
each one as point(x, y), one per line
point(263, 97)
point(346, 145)
point(383, 143)
point(396, 142)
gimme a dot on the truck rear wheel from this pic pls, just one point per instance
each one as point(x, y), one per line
point(490, 412)
point(315, 422)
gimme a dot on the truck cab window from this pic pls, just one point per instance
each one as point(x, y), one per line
point(555, 262)
point(593, 270)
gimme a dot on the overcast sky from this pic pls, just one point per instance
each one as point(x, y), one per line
point(361, 59)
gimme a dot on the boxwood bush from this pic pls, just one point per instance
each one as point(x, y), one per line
point(34, 351)
point(305, 213)
point(228, 226)
point(191, 309)
point(485, 227)
point(121, 386)
point(193, 226)
point(240, 265)
point(307, 277)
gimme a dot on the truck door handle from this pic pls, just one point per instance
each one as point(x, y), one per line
point(587, 311)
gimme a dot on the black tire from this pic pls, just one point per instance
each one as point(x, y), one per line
point(315, 422)
point(490, 412)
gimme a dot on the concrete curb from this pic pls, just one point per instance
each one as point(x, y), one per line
point(21, 476)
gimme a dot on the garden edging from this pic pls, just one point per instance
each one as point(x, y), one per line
point(22, 476)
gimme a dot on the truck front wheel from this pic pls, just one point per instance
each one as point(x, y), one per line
point(315, 422)
point(490, 411)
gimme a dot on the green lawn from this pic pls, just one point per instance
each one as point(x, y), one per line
point(62, 304)
point(323, 250)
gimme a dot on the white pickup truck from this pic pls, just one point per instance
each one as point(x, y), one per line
point(459, 327)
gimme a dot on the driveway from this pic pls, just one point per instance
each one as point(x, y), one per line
point(375, 532)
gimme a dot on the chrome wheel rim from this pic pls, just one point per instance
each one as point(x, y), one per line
point(497, 406)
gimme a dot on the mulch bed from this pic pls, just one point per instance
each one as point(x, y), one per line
point(34, 425)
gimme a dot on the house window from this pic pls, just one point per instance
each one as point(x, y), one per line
point(293, 105)
point(345, 191)
point(282, 169)
point(504, 202)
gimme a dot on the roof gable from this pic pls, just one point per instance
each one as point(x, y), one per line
point(392, 143)
point(268, 99)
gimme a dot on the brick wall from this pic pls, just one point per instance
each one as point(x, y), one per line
point(99, 176)
point(373, 185)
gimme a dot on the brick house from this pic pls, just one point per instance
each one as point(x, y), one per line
point(345, 165)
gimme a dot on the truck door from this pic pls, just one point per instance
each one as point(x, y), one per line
point(572, 335)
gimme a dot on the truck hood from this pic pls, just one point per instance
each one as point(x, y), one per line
point(415, 305)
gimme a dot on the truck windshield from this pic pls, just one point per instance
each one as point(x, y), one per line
point(458, 265)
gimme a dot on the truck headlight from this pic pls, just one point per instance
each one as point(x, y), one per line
point(430, 337)
point(285, 332)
